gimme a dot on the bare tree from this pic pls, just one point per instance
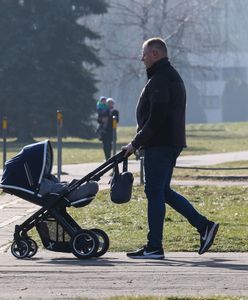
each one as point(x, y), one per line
point(185, 25)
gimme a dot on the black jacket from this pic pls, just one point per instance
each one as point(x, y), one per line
point(108, 131)
point(161, 108)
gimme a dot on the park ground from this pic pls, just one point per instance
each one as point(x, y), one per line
point(53, 275)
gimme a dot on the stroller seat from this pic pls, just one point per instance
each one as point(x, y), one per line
point(78, 197)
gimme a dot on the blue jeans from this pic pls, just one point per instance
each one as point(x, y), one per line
point(159, 163)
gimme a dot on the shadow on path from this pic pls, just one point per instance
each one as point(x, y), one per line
point(219, 263)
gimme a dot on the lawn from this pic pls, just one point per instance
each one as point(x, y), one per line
point(219, 137)
point(75, 150)
point(201, 139)
point(126, 224)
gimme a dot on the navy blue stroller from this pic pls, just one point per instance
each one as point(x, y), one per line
point(58, 231)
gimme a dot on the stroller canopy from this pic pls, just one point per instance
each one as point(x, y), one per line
point(25, 171)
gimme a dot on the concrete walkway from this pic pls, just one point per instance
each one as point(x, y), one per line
point(60, 275)
point(211, 159)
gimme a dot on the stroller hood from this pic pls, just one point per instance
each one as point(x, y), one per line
point(25, 171)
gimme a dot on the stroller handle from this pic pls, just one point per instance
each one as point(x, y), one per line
point(102, 169)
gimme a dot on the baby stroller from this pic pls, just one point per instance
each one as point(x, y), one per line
point(57, 229)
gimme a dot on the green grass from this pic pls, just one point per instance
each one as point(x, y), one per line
point(75, 150)
point(127, 228)
point(201, 139)
point(219, 137)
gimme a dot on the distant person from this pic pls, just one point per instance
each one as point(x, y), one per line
point(107, 130)
point(161, 133)
point(112, 110)
point(113, 114)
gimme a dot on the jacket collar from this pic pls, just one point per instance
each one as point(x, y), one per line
point(156, 66)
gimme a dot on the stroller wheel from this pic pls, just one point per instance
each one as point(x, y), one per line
point(84, 244)
point(32, 247)
point(20, 249)
point(103, 241)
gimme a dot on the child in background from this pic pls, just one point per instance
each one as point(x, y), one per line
point(103, 115)
point(102, 107)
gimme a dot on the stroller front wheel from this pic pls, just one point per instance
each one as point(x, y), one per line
point(20, 249)
point(84, 244)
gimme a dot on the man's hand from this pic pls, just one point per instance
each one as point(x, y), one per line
point(129, 148)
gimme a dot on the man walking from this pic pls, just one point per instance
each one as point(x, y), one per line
point(161, 133)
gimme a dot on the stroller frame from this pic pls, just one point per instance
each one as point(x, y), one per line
point(83, 243)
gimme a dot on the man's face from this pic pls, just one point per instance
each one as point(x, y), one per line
point(147, 56)
point(111, 104)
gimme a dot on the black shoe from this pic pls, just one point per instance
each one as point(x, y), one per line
point(207, 238)
point(147, 252)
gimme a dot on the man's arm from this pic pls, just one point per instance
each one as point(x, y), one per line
point(159, 100)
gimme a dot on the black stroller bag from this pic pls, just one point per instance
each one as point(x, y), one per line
point(121, 185)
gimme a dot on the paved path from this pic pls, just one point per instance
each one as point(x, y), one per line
point(60, 275)
point(212, 159)
point(57, 275)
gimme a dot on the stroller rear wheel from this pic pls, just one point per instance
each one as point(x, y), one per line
point(84, 244)
point(33, 247)
point(20, 249)
point(103, 241)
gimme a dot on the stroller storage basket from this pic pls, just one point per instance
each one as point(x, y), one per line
point(53, 236)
